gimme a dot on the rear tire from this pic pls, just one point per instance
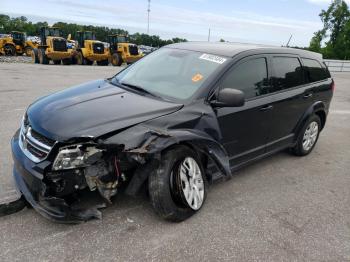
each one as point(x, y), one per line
point(43, 59)
point(9, 50)
point(171, 196)
point(103, 63)
point(28, 50)
point(88, 62)
point(81, 60)
point(34, 55)
point(116, 59)
point(57, 62)
point(67, 61)
point(307, 137)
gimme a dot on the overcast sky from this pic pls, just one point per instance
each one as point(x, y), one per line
point(255, 21)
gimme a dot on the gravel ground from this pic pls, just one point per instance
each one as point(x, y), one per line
point(280, 209)
point(15, 59)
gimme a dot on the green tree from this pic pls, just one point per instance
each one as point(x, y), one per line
point(335, 32)
point(8, 24)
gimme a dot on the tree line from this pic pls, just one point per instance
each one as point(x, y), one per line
point(8, 24)
point(333, 40)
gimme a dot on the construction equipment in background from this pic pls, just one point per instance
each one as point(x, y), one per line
point(122, 51)
point(52, 47)
point(89, 49)
point(16, 43)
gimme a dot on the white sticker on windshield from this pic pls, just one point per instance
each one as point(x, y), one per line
point(213, 58)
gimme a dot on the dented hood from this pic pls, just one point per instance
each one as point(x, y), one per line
point(93, 109)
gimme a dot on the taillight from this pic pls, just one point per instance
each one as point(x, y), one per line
point(333, 86)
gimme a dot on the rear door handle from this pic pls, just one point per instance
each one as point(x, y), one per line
point(307, 95)
point(266, 108)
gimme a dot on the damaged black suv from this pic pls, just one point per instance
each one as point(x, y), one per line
point(173, 122)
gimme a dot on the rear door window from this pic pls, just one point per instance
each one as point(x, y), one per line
point(250, 77)
point(288, 73)
point(314, 71)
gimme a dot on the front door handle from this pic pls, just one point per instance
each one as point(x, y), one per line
point(307, 95)
point(266, 108)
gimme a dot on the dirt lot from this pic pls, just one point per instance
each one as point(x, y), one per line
point(281, 208)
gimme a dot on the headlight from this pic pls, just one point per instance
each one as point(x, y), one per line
point(74, 157)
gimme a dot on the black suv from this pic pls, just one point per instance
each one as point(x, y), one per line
point(173, 122)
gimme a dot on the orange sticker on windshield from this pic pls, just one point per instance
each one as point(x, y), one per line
point(197, 77)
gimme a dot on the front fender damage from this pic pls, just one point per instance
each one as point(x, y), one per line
point(195, 126)
point(130, 156)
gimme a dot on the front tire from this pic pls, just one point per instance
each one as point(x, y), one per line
point(81, 60)
point(35, 56)
point(9, 50)
point(43, 59)
point(116, 59)
point(67, 61)
point(28, 50)
point(177, 188)
point(308, 137)
point(103, 63)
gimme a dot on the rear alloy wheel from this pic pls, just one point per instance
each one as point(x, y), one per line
point(308, 137)
point(177, 188)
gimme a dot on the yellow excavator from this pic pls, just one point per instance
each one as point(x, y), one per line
point(52, 47)
point(122, 51)
point(90, 50)
point(16, 44)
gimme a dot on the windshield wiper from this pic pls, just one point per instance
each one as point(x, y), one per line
point(140, 89)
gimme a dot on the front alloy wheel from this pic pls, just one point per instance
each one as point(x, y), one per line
point(192, 184)
point(177, 188)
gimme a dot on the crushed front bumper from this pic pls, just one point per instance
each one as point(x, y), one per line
point(28, 177)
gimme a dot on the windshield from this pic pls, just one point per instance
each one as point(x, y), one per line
point(89, 35)
point(122, 39)
point(171, 73)
point(52, 32)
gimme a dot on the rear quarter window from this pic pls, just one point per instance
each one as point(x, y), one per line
point(314, 70)
point(288, 73)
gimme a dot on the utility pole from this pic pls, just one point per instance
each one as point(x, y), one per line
point(148, 11)
point(209, 35)
point(290, 38)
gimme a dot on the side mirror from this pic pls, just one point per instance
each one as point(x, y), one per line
point(229, 97)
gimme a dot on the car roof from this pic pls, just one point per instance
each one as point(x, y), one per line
point(232, 49)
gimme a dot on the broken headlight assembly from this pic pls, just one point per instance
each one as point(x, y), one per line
point(76, 156)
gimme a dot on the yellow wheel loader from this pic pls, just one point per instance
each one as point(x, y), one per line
point(90, 50)
point(122, 51)
point(52, 47)
point(16, 44)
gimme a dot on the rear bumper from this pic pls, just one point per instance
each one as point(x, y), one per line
point(28, 177)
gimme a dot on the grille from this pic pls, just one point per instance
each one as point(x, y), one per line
point(98, 48)
point(34, 145)
point(59, 45)
point(42, 139)
point(133, 50)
